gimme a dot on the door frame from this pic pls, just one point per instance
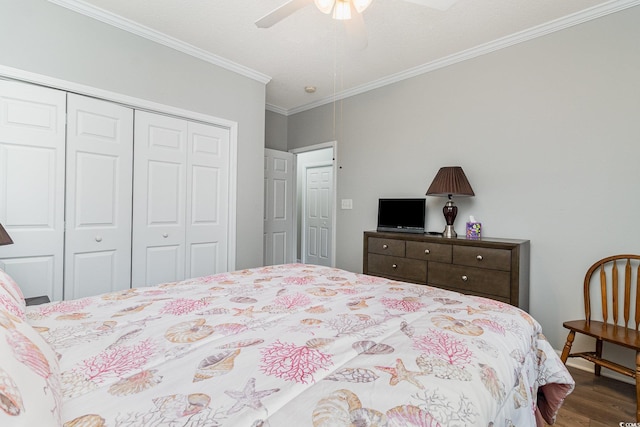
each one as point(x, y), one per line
point(23, 76)
point(334, 197)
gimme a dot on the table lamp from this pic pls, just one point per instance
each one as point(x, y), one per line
point(450, 181)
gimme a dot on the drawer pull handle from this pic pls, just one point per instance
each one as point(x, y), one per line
point(465, 278)
point(395, 266)
point(165, 235)
point(479, 257)
point(427, 251)
point(98, 239)
point(385, 246)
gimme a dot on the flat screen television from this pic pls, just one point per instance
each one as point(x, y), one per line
point(401, 215)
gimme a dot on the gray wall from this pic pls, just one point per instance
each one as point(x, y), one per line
point(547, 132)
point(275, 131)
point(43, 38)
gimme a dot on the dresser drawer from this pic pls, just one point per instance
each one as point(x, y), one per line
point(495, 259)
point(470, 279)
point(411, 270)
point(386, 246)
point(429, 251)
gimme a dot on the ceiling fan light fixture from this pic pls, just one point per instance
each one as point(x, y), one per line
point(325, 6)
point(361, 5)
point(342, 10)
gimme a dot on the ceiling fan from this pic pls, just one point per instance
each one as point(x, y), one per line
point(344, 10)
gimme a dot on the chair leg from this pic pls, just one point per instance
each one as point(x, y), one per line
point(637, 386)
point(567, 346)
point(598, 368)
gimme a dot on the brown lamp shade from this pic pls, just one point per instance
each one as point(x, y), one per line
point(4, 237)
point(450, 180)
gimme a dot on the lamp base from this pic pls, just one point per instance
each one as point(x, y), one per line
point(449, 232)
point(450, 211)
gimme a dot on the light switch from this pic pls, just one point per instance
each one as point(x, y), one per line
point(347, 204)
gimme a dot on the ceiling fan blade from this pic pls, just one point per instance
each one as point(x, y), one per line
point(357, 38)
point(281, 12)
point(434, 4)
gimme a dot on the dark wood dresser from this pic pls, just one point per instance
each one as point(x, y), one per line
point(492, 268)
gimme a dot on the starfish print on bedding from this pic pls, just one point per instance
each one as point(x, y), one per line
point(400, 373)
point(248, 396)
point(244, 311)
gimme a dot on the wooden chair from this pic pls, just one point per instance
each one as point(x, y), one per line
point(613, 328)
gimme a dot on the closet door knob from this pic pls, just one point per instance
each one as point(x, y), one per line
point(465, 278)
point(427, 251)
point(98, 239)
point(165, 235)
point(479, 257)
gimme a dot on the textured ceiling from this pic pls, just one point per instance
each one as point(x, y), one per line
point(309, 48)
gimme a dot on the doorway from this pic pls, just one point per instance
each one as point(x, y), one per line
point(316, 204)
point(299, 205)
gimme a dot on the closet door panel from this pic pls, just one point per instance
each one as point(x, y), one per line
point(164, 263)
point(28, 200)
point(160, 155)
point(93, 272)
point(98, 207)
point(203, 257)
point(207, 200)
point(32, 166)
point(164, 197)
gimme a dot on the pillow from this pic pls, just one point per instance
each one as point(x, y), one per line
point(30, 391)
point(11, 297)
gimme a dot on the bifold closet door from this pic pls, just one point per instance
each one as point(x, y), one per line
point(98, 201)
point(159, 197)
point(32, 157)
point(207, 215)
point(180, 199)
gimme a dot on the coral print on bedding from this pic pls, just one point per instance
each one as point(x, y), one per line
point(299, 345)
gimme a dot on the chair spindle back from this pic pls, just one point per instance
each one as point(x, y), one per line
point(614, 300)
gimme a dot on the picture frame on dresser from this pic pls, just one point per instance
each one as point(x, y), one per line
point(495, 268)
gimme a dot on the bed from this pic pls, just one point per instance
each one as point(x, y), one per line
point(276, 346)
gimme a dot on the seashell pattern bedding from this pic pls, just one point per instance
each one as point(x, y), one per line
point(299, 345)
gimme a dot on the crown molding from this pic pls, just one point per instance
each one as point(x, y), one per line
point(158, 37)
point(276, 109)
point(523, 36)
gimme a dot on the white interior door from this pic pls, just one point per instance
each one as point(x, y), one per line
point(279, 221)
point(318, 215)
point(160, 156)
point(32, 141)
point(207, 205)
point(98, 201)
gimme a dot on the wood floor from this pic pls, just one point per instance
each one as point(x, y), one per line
point(597, 402)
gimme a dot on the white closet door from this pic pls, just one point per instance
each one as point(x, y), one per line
point(207, 200)
point(32, 140)
point(318, 218)
point(98, 202)
point(159, 185)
